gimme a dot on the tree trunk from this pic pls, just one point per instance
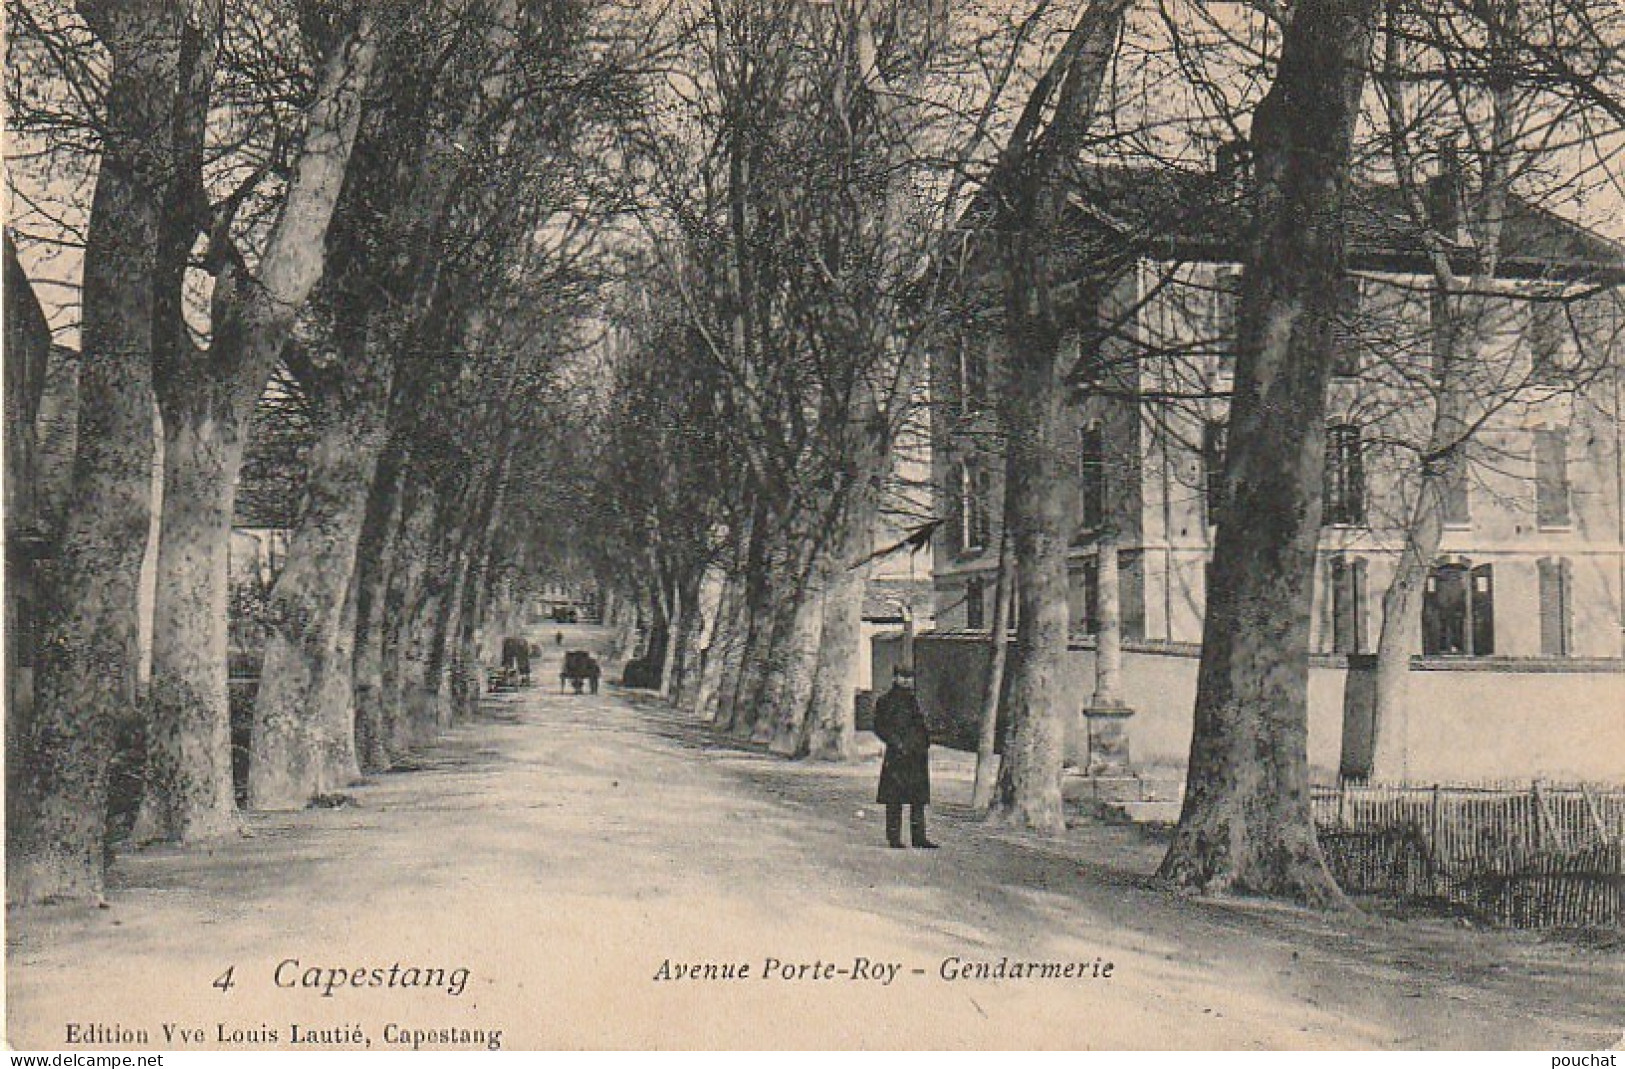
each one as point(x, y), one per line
point(1029, 787)
point(998, 642)
point(375, 563)
point(718, 662)
point(675, 611)
point(1029, 180)
point(1401, 632)
point(1457, 325)
point(831, 718)
point(27, 362)
point(1246, 823)
point(470, 657)
point(749, 577)
point(624, 621)
point(401, 664)
point(755, 636)
point(301, 742)
point(691, 638)
point(438, 620)
point(786, 711)
point(424, 681)
point(340, 764)
point(189, 794)
point(207, 399)
point(467, 678)
point(86, 674)
point(766, 663)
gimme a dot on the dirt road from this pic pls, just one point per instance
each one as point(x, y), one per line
point(570, 853)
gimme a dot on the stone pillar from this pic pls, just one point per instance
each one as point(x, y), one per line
point(1106, 714)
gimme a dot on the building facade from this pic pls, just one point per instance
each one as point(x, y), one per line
point(1530, 568)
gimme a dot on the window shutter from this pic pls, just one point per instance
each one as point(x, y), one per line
point(1346, 332)
point(954, 508)
point(1483, 610)
point(1551, 478)
point(974, 619)
point(1554, 607)
point(1213, 449)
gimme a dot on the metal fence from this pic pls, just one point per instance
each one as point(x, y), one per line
point(1529, 856)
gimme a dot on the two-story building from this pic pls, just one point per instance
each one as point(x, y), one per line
point(1528, 578)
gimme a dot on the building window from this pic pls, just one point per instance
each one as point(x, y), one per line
point(24, 625)
point(1458, 611)
point(975, 521)
point(1549, 338)
point(972, 375)
point(1552, 479)
point(1091, 477)
point(1227, 315)
point(1086, 598)
point(1215, 435)
point(975, 617)
point(1346, 332)
point(1348, 605)
point(1556, 607)
point(1345, 477)
point(1456, 501)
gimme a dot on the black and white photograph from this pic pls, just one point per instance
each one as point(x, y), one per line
point(814, 525)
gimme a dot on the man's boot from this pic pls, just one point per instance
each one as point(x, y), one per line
point(916, 825)
point(894, 826)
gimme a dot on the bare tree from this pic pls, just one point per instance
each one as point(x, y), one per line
point(1029, 194)
point(1246, 824)
point(86, 677)
point(1452, 80)
point(207, 395)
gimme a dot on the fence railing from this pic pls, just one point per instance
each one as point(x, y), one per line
point(1529, 856)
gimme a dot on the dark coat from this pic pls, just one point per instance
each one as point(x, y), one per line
point(905, 774)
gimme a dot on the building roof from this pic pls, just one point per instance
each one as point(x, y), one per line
point(1202, 216)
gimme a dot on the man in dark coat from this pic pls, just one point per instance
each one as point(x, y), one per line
point(905, 774)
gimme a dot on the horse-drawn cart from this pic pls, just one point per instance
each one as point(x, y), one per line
point(580, 669)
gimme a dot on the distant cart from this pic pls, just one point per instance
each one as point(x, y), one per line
point(580, 669)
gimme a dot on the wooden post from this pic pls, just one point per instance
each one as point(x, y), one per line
point(1547, 823)
point(993, 685)
point(1434, 877)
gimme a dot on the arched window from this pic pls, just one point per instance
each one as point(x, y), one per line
point(1091, 477)
point(1345, 476)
